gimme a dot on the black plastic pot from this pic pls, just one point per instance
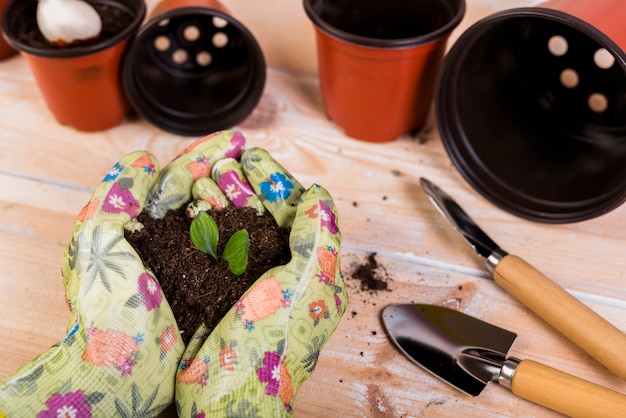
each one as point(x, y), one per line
point(531, 107)
point(194, 70)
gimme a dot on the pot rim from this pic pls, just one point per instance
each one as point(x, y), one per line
point(78, 51)
point(365, 41)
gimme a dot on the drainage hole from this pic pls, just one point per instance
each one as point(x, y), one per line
point(179, 56)
point(603, 59)
point(220, 39)
point(569, 78)
point(191, 33)
point(203, 58)
point(162, 43)
point(598, 102)
point(218, 22)
point(557, 45)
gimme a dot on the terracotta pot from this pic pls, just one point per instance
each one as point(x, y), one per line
point(531, 106)
point(167, 5)
point(81, 86)
point(378, 64)
point(194, 69)
point(6, 50)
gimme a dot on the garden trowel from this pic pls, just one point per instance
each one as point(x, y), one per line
point(469, 353)
point(575, 320)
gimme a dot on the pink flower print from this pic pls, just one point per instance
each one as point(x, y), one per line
point(70, 405)
point(126, 368)
point(150, 290)
point(238, 144)
point(228, 358)
point(275, 374)
point(236, 189)
point(270, 373)
point(287, 299)
point(328, 217)
point(121, 200)
point(337, 300)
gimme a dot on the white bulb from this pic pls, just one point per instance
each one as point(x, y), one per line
point(67, 21)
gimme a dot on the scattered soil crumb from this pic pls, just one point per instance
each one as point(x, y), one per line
point(369, 274)
point(423, 136)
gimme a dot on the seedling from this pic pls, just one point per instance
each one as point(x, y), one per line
point(205, 235)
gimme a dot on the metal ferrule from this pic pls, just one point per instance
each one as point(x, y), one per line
point(505, 378)
point(494, 259)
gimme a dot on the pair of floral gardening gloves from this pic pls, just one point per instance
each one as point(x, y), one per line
point(122, 354)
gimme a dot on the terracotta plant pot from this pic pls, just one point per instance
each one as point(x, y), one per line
point(194, 69)
point(531, 107)
point(81, 85)
point(6, 50)
point(378, 64)
point(123, 354)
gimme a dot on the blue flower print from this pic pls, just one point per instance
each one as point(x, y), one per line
point(277, 187)
point(113, 173)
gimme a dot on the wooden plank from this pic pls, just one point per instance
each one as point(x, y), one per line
point(47, 172)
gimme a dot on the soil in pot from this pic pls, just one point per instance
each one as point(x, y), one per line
point(198, 288)
point(114, 21)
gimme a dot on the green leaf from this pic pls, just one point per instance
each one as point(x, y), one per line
point(236, 252)
point(204, 233)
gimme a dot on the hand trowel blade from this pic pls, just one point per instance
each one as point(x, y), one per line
point(462, 350)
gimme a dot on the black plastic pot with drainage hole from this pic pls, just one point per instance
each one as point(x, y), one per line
point(194, 70)
point(531, 106)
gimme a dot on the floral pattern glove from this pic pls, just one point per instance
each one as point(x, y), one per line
point(253, 362)
point(123, 347)
point(121, 350)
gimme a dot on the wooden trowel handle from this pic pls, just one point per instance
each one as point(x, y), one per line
point(564, 312)
point(565, 393)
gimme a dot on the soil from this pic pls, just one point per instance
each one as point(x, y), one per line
point(198, 288)
point(114, 21)
point(369, 274)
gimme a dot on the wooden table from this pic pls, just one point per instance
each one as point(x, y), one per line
point(47, 173)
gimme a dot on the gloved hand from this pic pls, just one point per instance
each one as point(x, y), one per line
point(254, 361)
point(122, 347)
